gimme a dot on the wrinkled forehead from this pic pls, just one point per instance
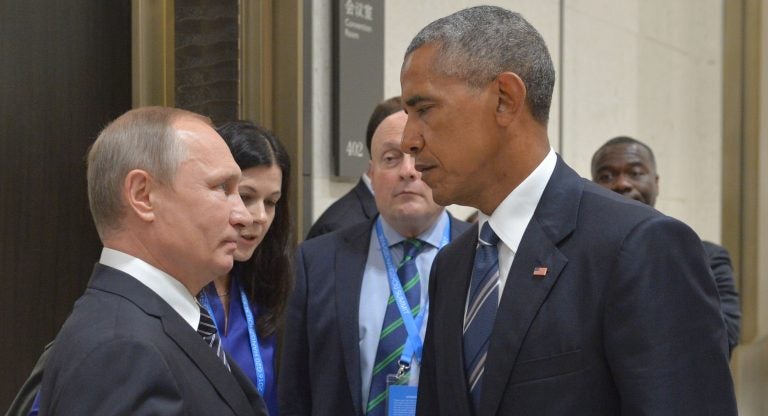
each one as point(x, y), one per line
point(623, 154)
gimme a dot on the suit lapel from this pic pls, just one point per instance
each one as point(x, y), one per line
point(526, 289)
point(349, 265)
point(117, 282)
point(209, 364)
point(447, 302)
point(523, 295)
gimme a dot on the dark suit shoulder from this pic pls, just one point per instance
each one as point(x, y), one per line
point(355, 206)
point(327, 243)
point(142, 371)
point(722, 271)
point(458, 226)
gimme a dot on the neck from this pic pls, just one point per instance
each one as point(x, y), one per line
point(526, 159)
point(413, 228)
point(222, 284)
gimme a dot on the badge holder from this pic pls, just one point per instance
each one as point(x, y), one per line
point(401, 398)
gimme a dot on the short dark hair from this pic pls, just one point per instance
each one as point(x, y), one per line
point(623, 140)
point(267, 277)
point(479, 43)
point(383, 110)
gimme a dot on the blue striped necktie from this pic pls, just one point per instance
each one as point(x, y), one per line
point(207, 329)
point(481, 311)
point(393, 332)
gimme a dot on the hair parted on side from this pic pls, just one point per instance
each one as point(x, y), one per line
point(383, 110)
point(267, 277)
point(142, 138)
point(478, 43)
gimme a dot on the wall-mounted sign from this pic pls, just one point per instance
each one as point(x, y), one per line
point(358, 79)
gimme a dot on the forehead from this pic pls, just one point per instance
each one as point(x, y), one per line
point(263, 174)
point(389, 132)
point(420, 81)
point(623, 154)
point(204, 145)
point(419, 72)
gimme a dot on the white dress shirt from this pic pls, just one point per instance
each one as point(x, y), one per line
point(375, 291)
point(511, 217)
point(168, 288)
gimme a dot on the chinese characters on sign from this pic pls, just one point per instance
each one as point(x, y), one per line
point(359, 9)
point(358, 79)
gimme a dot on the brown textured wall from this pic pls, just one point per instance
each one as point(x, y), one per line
point(206, 42)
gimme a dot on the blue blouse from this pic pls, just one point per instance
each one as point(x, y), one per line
point(237, 343)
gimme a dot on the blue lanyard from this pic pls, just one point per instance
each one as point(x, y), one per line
point(414, 344)
point(258, 364)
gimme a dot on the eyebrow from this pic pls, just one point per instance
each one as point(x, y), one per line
point(415, 100)
point(252, 189)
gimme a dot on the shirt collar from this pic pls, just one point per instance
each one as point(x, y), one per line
point(168, 288)
point(511, 217)
point(367, 181)
point(432, 235)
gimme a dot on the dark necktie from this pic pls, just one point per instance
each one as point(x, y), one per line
point(207, 329)
point(393, 332)
point(481, 310)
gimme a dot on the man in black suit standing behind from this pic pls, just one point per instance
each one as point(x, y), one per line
point(162, 187)
point(572, 300)
point(627, 166)
point(343, 328)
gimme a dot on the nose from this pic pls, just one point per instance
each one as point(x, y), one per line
point(408, 168)
point(259, 212)
point(412, 142)
point(622, 185)
point(239, 216)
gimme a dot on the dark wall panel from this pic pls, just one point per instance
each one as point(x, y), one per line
point(206, 57)
point(65, 72)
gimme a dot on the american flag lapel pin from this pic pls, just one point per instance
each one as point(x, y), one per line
point(540, 272)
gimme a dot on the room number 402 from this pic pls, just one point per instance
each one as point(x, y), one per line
point(355, 148)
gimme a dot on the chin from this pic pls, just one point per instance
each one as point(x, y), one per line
point(244, 254)
point(440, 199)
point(224, 266)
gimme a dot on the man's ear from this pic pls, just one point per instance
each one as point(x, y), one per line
point(511, 97)
point(137, 191)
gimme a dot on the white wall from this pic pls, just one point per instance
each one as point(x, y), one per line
point(650, 69)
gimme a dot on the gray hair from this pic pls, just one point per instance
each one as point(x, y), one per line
point(142, 138)
point(478, 43)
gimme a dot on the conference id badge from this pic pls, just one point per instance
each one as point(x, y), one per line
point(401, 398)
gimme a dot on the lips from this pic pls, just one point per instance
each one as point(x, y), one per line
point(231, 243)
point(248, 238)
point(408, 193)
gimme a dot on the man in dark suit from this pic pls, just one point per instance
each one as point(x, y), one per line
point(627, 166)
point(572, 300)
point(358, 204)
point(340, 324)
point(162, 187)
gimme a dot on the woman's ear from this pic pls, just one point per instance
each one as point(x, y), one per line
point(137, 191)
point(511, 97)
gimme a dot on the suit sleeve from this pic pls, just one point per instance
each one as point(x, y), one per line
point(137, 381)
point(720, 264)
point(293, 385)
point(426, 402)
point(665, 341)
point(25, 398)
